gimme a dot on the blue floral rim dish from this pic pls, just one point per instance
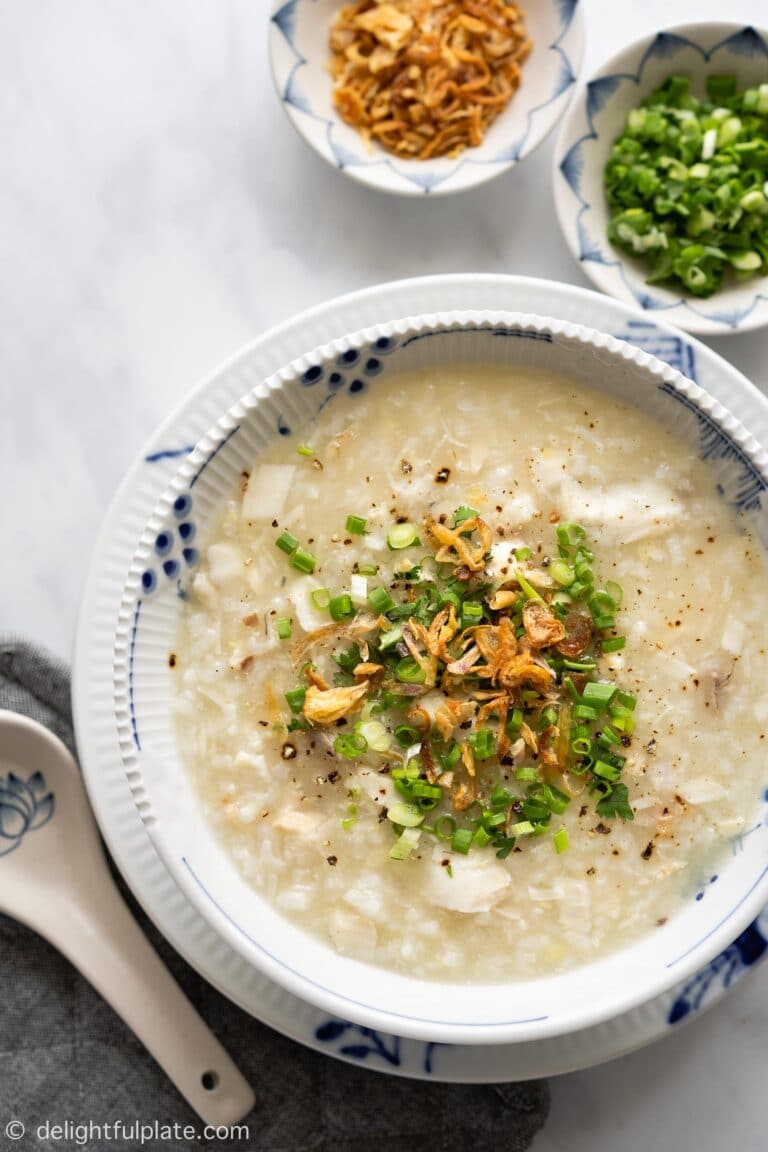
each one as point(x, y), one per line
point(594, 120)
point(146, 631)
point(299, 53)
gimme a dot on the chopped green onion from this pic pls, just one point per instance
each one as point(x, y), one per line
point(321, 597)
point(523, 828)
point(527, 773)
point(303, 561)
point(305, 450)
point(380, 600)
point(606, 771)
point(560, 840)
point(615, 591)
point(295, 699)
point(350, 745)
point(374, 733)
point(523, 554)
point(409, 671)
point(406, 735)
point(341, 607)
point(529, 591)
point(481, 837)
point(471, 613)
point(356, 525)
point(358, 589)
point(445, 826)
point(287, 543)
point(406, 815)
point(461, 841)
point(283, 628)
point(627, 700)
point(615, 644)
point(405, 844)
point(598, 693)
point(391, 637)
point(562, 572)
point(367, 569)
point(584, 712)
point(483, 743)
point(515, 721)
point(452, 756)
point(603, 622)
point(401, 536)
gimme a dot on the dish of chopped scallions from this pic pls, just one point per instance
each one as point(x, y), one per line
point(523, 714)
point(687, 184)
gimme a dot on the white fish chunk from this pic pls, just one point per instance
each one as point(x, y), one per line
point(476, 885)
point(267, 491)
point(352, 934)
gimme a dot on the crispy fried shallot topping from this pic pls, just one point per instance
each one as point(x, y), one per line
point(326, 706)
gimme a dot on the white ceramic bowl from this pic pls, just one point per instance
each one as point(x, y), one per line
point(347, 988)
point(597, 116)
point(298, 46)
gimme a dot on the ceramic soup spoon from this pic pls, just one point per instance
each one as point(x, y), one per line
point(54, 878)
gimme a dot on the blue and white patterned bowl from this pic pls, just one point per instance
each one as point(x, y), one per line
point(163, 563)
point(593, 121)
point(298, 45)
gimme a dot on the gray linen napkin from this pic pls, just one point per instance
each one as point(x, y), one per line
point(65, 1055)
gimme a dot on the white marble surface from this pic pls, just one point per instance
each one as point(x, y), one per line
point(156, 211)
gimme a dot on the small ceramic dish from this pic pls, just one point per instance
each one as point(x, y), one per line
point(164, 562)
point(594, 120)
point(299, 52)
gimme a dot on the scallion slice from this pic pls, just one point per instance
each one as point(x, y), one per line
point(471, 613)
point(380, 600)
point(391, 637)
point(409, 671)
point(614, 644)
point(560, 840)
point(401, 536)
point(295, 698)
point(406, 815)
point(445, 826)
point(461, 841)
point(405, 844)
point(483, 743)
point(356, 525)
point(283, 625)
point(321, 598)
point(303, 561)
point(287, 543)
point(598, 693)
point(341, 607)
point(350, 745)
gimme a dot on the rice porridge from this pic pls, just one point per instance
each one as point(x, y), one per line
point(469, 677)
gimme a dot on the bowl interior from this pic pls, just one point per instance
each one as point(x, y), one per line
point(594, 120)
point(168, 553)
point(299, 51)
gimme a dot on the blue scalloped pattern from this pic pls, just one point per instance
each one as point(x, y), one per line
point(427, 181)
point(667, 346)
point(746, 42)
point(366, 1044)
point(747, 950)
point(25, 806)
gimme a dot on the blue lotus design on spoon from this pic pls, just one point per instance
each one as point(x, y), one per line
point(24, 807)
